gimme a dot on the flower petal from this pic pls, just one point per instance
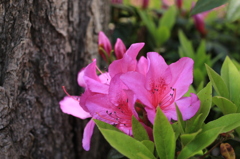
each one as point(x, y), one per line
point(96, 86)
point(142, 65)
point(182, 75)
point(123, 65)
point(87, 135)
point(80, 78)
point(70, 105)
point(158, 69)
point(135, 82)
point(134, 49)
point(105, 78)
point(116, 92)
point(187, 105)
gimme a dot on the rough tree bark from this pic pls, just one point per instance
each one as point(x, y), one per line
point(43, 45)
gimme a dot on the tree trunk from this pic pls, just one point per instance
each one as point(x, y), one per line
point(44, 43)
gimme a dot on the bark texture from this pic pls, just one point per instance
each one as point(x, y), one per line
point(43, 45)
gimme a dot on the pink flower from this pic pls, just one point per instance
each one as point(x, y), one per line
point(163, 85)
point(104, 98)
point(114, 108)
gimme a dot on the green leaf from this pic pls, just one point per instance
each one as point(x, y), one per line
point(164, 136)
point(233, 11)
point(198, 75)
point(147, 21)
point(186, 46)
point(126, 145)
point(227, 123)
point(169, 18)
point(205, 96)
point(139, 132)
point(176, 130)
point(231, 76)
point(104, 125)
point(186, 138)
point(204, 5)
point(225, 105)
point(201, 141)
point(161, 35)
point(192, 125)
point(149, 144)
point(217, 82)
point(180, 121)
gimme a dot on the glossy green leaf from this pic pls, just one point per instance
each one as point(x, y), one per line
point(186, 46)
point(205, 96)
point(118, 140)
point(176, 130)
point(169, 18)
point(198, 75)
point(180, 121)
point(233, 11)
point(126, 145)
point(139, 132)
point(193, 124)
point(225, 105)
point(217, 82)
point(227, 123)
point(149, 144)
point(164, 136)
point(204, 5)
point(231, 76)
point(201, 141)
point(186, 138)
point(104, 125)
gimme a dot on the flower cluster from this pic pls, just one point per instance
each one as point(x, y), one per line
point(132, 87)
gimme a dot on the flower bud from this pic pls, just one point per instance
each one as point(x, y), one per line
point(104, 45)
point(119, 48)
point(199, 23)
point(179, 4)
point(145, 4)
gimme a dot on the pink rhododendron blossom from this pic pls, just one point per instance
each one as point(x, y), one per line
point(132, 88)
point(104, 97)
point(164, 85)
